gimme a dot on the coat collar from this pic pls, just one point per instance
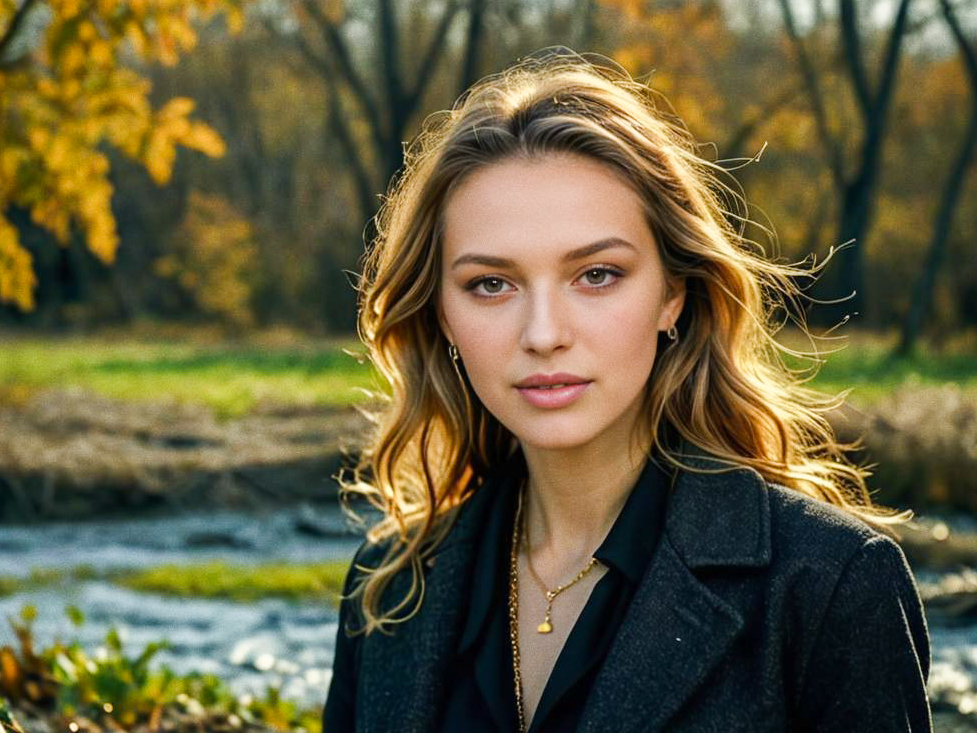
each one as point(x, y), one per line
point(675, 632)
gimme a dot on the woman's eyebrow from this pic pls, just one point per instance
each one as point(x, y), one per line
point(577, 254)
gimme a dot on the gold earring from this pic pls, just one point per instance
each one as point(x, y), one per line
point(455, 361)
point(672, 333)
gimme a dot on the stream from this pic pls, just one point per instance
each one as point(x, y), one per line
point(249, 645)
point(270, 642)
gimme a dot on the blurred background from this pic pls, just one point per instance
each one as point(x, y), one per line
point(185, 189)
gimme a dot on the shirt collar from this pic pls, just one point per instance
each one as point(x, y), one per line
point(634, 535)
point(491, 565)
point(627, 548)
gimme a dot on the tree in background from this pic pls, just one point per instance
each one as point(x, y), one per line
point(722, 70)
point(212, 260)
point(383, 64)
point(855, 176)
point(922, 301)
point(381, 67)
point(748, 75)
point(380, 92)
point(65, 92)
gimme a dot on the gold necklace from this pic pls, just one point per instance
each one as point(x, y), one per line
point(545, 627)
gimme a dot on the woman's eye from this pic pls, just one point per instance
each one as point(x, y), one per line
point(488, 285)
point(600, 276)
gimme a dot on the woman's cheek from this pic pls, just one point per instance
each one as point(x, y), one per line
point(619, 321)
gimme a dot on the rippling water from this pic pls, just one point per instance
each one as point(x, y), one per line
point(231, 536)
point(250, 645)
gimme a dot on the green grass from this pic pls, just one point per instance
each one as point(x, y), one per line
point(861, 362)
point(42, 577)
point(292, 581)
point(229, 377)
point(307, 582)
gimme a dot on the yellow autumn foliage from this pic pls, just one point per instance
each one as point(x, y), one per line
point(681, 46)
point(16, 273)
point(68, 96)
point(213, 259)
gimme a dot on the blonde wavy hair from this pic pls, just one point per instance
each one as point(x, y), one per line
point(723, 386)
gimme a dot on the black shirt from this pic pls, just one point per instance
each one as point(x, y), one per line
point(481, 697)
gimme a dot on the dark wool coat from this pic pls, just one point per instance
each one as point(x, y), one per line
point(761, 610)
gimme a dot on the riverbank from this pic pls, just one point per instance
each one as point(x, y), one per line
point(262, 636)
point(168, 463)
point(70, 454)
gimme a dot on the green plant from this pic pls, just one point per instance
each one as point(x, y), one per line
point(120, 692)
point(8, 724)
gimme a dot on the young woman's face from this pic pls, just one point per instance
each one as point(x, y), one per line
point(549, 268)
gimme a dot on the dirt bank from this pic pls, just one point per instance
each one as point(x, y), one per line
point(72, 454)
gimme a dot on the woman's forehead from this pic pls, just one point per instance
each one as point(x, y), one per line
point(555, 203)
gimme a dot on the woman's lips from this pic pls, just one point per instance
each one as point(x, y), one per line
point(553, 397)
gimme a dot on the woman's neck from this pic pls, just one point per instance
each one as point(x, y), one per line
point(573, 497)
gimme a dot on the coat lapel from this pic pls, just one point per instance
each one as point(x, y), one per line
point(675, 632)
point(676, 629)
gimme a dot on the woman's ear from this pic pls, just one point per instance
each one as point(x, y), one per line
point(442, 321)
point(674, 302)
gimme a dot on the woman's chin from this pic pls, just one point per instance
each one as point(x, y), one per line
point(557, 439)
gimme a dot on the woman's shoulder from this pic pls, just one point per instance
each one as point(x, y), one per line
point(858, 604)
point(809, 532)
point(757, 521)
point(370, 555)
point(799, 511)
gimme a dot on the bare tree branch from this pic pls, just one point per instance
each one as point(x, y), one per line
point(890, 61)
point(389, 53)
point(747, 126)
point(473, 38)
point(811, 81)
point(334, 39)
point(586, 11)
point(434, 51)
point(967, 52)
point(316, 61)
point(339, 125)
point(361, 176)
point(853, 55)
point(732, 147)
point(922, 22)
point(922, 301)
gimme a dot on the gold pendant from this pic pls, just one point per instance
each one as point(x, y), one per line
point(545, 627)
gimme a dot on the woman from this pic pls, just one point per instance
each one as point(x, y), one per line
point(605, 503)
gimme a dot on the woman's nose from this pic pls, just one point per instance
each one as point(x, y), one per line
point(546, 327)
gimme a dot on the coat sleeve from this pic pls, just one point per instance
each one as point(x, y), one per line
point(338, 715)
point(870, 663)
